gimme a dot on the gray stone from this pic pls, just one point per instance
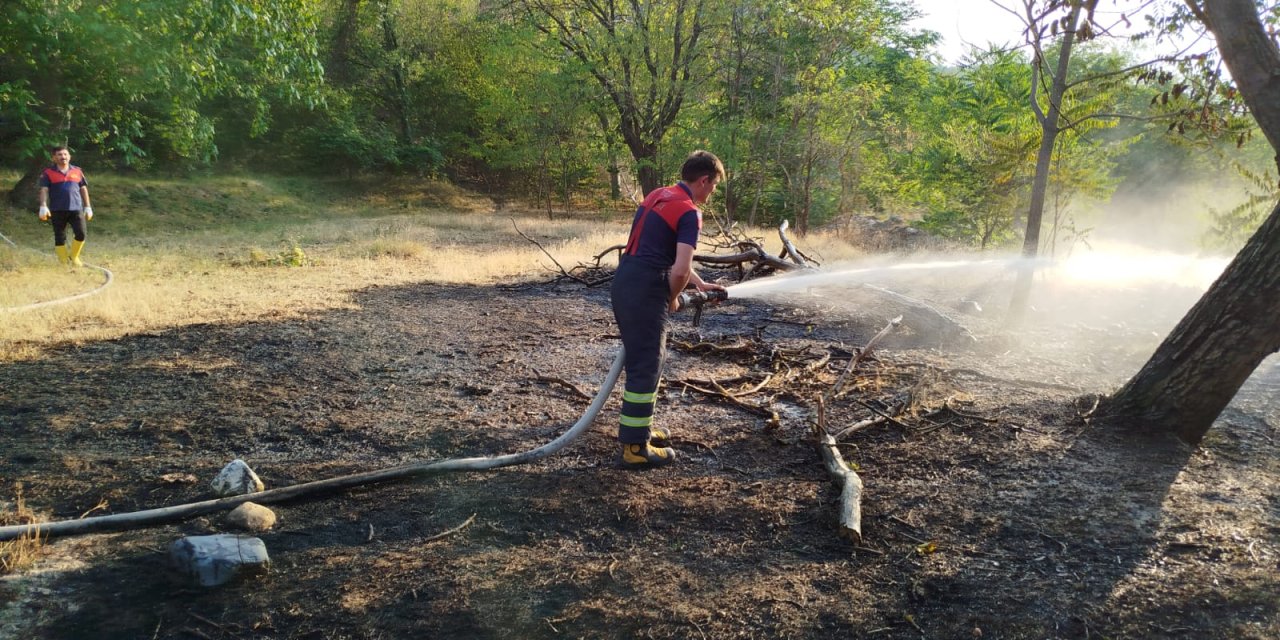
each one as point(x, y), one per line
point(237, 479)
point(252, 517)
point(215, 560)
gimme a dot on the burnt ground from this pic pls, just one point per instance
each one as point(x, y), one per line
point(991, 508)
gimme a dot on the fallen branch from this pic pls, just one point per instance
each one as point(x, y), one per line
point(850, 512)
point(859, 426)
point(884, 415)
point(755, 255)
point(709, 347)
point(788, 248)
point(721, 392)
point(548, 254)
point(834, 391)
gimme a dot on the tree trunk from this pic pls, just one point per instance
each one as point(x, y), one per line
point(339, 68)
point(1201, 365)
point(1044, 158)
point(646, 157)
point(399, 87)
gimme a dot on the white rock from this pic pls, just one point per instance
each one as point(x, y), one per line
point(237, 479)
point(252, 517)
point(215, 560)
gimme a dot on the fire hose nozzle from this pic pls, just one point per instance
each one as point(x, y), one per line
point(696, 300)
point(699, 298)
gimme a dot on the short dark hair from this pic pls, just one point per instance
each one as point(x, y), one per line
point(59, 148)
point(701, 163)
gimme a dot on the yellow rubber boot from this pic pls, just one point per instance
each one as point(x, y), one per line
point(646, 456)
point(76, 246)
point(61, 250)
point(659, 436)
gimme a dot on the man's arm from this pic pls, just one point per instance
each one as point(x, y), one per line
point(682, 274)
point(44, 203)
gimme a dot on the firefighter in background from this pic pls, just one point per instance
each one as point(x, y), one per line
point(64, 196)
point(654, 268)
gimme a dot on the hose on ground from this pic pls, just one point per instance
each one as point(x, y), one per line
point(48, 303)
point(149, 517)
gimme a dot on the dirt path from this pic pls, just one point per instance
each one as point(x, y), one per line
point(1026, 523)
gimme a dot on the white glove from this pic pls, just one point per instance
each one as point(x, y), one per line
point(88, 213)
point(44, 212)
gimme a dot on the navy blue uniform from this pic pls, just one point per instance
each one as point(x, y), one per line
point(641, 293)
point(66, 207)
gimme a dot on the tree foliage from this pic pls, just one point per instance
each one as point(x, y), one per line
point(821, 110)
point(138, 80)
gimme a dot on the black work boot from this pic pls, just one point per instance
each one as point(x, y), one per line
point(646, 456)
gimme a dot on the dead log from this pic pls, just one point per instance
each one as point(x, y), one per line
point(850, 512)
point(755, 256)
point(789, 249)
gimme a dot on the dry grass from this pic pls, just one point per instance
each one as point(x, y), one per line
point(20, 553)
point(235, 276)
point(317, 249)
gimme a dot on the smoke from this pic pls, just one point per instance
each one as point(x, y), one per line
point(1092, 320)
point(1167, 209)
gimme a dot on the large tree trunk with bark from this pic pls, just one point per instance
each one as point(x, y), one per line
point(645, 154)
point(1201, 365)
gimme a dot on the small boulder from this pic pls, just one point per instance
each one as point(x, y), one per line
point(218, 559)
point(252, 517)
point(237, 479)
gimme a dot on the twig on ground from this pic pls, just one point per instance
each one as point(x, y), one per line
point(858, 426)
point(883, 414)
point(722, 393)
point(444, 534)
point(102, 504)
point(538, 377)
